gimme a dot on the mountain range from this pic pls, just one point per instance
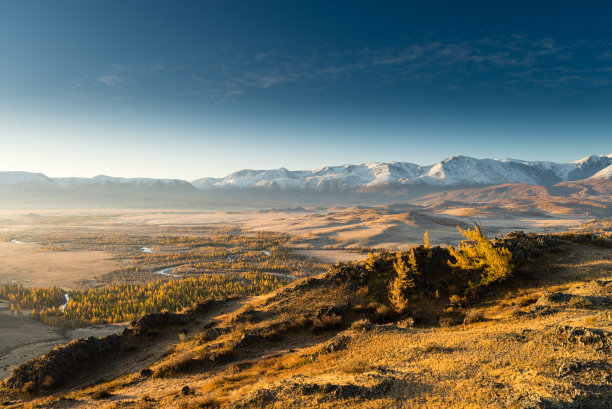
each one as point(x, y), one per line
point(348, 181)
point(454, 171)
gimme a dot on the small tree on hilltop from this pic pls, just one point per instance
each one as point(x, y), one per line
point(478, 253)
point(404, 282)
point(426, 242)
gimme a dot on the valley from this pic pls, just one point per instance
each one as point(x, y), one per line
point(91, 255)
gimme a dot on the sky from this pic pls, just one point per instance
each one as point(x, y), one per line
point(189, 89)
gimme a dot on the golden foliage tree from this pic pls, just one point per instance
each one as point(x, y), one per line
point(478, 253)
point(426, 242)
point(404, 282)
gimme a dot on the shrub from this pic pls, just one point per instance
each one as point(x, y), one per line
point(384, 314)
point(204, 402)
point(28, 387)
point(406, 323)
point(363, 291)
point(580, 302)
point(527, 300)
point(473, 316)
point(356, 367)
point(362, 325)
point(456, 300)
point(433, 348)
point(326, 322)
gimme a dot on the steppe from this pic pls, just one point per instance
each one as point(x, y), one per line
point(336, 234)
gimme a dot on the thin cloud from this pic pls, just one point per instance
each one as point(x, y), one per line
point(109, 80)
point(117, 73)
point(507, 61)
point(507, 57)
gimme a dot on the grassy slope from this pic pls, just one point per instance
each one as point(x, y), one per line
point(541, 340)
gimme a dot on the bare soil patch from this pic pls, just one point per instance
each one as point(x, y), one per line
point(29, 265)
point(22, 338)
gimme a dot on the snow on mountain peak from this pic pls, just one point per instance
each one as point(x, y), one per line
point(452, 171)
point(605, 173)
point(456, 170)
point(10, 178)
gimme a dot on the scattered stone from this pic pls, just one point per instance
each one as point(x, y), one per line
point(185, 390)
point(540, 311)
point(587, 337)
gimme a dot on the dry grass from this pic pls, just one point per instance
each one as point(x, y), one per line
point(28, 264)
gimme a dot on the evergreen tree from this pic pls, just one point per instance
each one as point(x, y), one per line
point(405, 280)
point(478, 253)
point(426, 243)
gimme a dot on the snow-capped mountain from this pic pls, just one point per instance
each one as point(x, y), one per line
point(25, 179)
point(605, 174)
point(451, 173)
point(589, 166)
point(454, 171)
point(103, 180)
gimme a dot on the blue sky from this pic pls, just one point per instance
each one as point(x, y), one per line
point(189, 89)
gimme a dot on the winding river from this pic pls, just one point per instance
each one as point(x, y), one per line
point(289, 276)
point(63, 307)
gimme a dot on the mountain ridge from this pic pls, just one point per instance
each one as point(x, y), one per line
point(371, 182)
point(452, 171)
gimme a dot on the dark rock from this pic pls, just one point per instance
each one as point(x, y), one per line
point(247, 339)
point(249, 316)
point(157, 320)
point(309, 389)
point(146, 372)
point(540, 311)
point(338, 310)
point(567, 368)
point(185, 390)
point(101, 394)
point(62, 365)
point(337, 344)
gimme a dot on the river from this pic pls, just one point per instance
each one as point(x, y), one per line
point(166, 271)
point(63, 307)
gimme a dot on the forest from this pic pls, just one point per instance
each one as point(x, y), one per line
point(126, 301)
point(206, 262)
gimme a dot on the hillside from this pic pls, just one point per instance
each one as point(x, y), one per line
point(539, 339)
point(588, 197)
